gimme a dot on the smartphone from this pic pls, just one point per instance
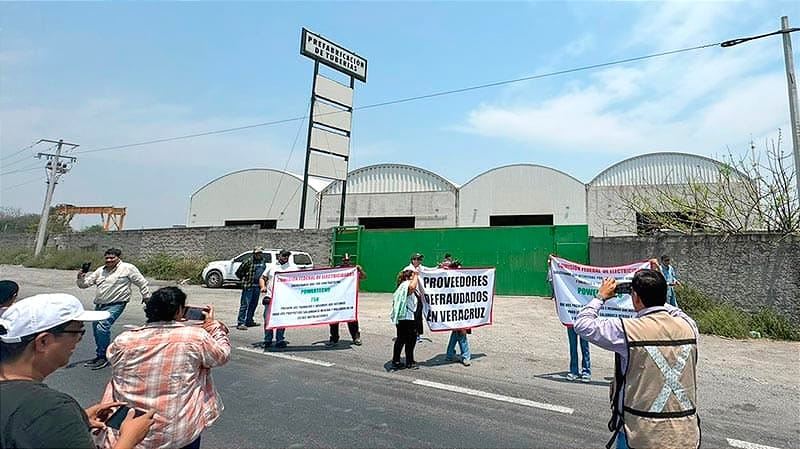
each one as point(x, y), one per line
point(85, 267)
point(623, 288)
point(119, 415)
point(194, 313)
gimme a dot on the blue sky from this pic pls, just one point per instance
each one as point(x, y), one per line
point(107, 74)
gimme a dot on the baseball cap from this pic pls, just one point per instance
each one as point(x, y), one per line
point(417, 256)
point(258, 249)
point(38, 313)
point(285, 253)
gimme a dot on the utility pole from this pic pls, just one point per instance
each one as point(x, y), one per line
point(55, 168)
point(791, 81)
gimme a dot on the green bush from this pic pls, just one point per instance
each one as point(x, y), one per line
point(717, 318)
point(14, 256)
point(64, 260)
point(174, 268)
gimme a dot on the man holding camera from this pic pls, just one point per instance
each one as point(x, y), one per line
point(654, 392)
point(113, 281)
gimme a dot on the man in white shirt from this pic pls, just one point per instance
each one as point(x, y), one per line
point(266, 282)
point(113, 281)
point(416, 266)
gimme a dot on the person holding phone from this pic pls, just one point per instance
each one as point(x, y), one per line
point(165, 366)
point(37, 336)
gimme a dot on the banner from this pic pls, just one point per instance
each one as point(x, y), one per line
point(312, 297)
point(574, 285)
point(457, 299)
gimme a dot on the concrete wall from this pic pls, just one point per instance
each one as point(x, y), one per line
point(747, 271)
point(218, 243)
point(14, 240)
point(430, 209)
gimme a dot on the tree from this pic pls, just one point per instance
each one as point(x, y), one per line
point(753, 192)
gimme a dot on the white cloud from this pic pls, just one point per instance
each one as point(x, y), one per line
point(697, 101)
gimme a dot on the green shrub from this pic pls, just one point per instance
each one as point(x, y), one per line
point(717, 318)
point(173, 268)
point(71, 259)
point(14, 256)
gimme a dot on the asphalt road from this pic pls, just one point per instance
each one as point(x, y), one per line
point(514, 394)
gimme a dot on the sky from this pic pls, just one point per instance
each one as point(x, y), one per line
point(116, 73)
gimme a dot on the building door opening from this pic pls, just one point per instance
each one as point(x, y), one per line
point(387, 222)
point(521, 220)
point(262, 224)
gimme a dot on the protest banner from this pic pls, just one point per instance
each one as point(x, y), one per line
point(457, 299)
point(313, 297)
point(574, 285)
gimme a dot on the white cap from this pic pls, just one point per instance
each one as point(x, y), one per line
point(38, 313)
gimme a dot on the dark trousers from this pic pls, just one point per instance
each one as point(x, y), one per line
point(406, 337)
point(418, 319)
point(247, 305)
point(352, 326)
point(193, 445)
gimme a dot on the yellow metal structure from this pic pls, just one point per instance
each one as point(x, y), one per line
point(108, 214)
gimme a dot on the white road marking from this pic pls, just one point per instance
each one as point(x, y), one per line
point(496, 397)
point(747, 444)
point(287, 357)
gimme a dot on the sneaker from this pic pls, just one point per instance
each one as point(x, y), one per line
point(586, 378)
point(466, 362)
point(412, 366)
point(241, 327)
point(451, 358)
point(397, 365)
point(357, 341)
point(93, 362)
point(281, 344)
point(100, 365)
point(572, 377)
point(252, 324)
point(331, 343)
point(267, 344)
point(419, 339)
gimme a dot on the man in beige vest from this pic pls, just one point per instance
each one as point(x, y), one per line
point(654, 392)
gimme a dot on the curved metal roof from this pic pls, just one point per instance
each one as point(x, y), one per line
point(315, 183)
point(392, 178)
point(535, 166)
point(662, 168)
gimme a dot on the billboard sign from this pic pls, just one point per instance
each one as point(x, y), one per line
point(333, 55)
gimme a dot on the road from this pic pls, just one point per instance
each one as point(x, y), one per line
point(514, 394)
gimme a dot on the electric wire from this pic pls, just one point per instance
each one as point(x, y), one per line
point(26, 158)
point(21, 184)
point(33, 144)
point(408, 99)
point(21, 170)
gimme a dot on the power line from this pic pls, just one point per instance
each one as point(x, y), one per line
point(21, 150)
point(21, 184)
point(409, 99)
point(8, 164)
point(29, 168)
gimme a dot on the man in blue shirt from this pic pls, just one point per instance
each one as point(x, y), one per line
point(249, 272)
point(669, 274)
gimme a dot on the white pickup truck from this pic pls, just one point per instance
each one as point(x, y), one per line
point(220, 272)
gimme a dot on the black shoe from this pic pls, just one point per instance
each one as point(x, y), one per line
point(397, 365)
point(412, 366)
point(100, 365)
point(252, 324)
point(331, 343)
point(93, 362)
point(281, 344)
point(357, 341)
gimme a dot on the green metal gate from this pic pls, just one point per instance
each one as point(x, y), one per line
point(519, 253)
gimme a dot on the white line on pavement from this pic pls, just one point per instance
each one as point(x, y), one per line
point(287, 357)
point(747, 444)
point(496, 397)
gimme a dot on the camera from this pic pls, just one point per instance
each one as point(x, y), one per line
point(85, 267)
point(194, 313)
point(623, 288)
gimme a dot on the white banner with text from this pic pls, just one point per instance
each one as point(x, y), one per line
point(574, 285)
point(457, 299)
point(313, 297)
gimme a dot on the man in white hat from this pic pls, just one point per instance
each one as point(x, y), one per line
point(37, 336)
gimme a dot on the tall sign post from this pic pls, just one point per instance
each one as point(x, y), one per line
point(330, 116)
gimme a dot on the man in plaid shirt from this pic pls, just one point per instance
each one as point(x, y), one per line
point(165, 366)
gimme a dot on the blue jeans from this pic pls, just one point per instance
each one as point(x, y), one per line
point(268, 332)
point(247, 305)
point(622, 440)
point(671, 299)
point(102, 329)
point(461, 339)
point(586, 365)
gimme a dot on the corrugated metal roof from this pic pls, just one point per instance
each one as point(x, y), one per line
point(661, 168)
point(393, 178)
point(315, 183)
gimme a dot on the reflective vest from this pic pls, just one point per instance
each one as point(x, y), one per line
point(659, 385)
